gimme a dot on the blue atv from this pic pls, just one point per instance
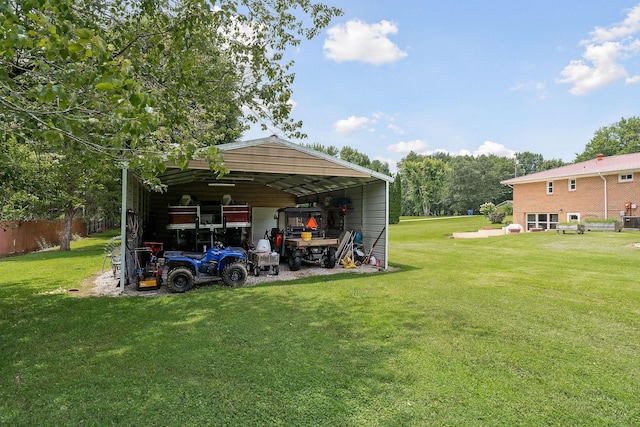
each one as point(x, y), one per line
point(185, 269)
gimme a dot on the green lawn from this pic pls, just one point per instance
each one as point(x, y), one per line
point(528, 329)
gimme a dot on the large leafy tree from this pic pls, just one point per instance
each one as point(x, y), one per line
point(352, 155)
point(551, 164)
point(330, 150)
point(622, 137)
point(17, 166)
point(476, 180)
point(528, 163)
point(87, 84)
point(395, 200)
point(424, 179)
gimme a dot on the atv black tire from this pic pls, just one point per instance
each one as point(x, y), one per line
point(294, 263)
point(180, 280)
point(330, 260)
point(234, 274)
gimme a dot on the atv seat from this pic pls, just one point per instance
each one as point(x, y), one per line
point(192, 255)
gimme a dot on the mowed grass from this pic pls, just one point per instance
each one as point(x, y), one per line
point(529, 329)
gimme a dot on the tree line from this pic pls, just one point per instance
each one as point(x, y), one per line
point(443, 184)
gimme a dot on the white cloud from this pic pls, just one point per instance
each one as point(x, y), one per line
point(351, 124)
point(359, 41)
point(378, 115)
point(419, 147)
point(490, 147)
point(537, 87)
point(396, 129)
point(407, 146)
point(602, 62)
point(605, 69)
point(628, 27)
point(634, 79)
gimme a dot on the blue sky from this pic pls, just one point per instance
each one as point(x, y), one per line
point(468, 77)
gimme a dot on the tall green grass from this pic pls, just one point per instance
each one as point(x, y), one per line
point(528, 329)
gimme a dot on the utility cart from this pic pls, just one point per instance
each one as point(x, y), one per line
point(263, 258)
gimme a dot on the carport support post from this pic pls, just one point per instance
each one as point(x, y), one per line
point(123, 227)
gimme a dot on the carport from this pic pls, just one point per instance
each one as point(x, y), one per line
point(264, 174)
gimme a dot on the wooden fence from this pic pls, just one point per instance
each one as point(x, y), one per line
point(27, 236)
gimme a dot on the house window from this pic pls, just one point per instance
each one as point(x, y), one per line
point(573, 217)
point(550, 187)
point(545, 221)
point(625, 177)
point(572, 185)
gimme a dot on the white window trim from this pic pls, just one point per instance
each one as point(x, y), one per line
point(576, 214)
point(623, 177)
point(575, 184)
point(548, 224)
point(549, 187)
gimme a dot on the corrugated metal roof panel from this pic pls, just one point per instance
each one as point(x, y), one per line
point(279, 164)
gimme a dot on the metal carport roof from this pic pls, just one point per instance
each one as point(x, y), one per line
point(280, 164)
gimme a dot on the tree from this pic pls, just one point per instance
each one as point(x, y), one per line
point(424, 184)
point(17, 165)
point(528, 163)
point(551, 164)
point(352, 155)
point(395, 200)
point(380, 167)
point(92, 82)
point(476, 180)
point(330, 150)
point(622, 137)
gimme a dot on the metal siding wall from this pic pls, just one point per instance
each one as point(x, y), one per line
point(376, 219)
point(355, 217)
point(369, 215)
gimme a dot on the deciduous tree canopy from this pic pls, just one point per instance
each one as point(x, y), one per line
point(622, 137)
point(85, 84)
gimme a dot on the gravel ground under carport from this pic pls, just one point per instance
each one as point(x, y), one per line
point(104, 284)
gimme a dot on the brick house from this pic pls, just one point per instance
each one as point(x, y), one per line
point(602, 188)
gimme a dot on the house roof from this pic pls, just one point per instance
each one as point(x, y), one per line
point(598, 166)
point(277, 163)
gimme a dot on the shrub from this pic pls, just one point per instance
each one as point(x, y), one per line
point(507, 208)
point(43, 244)
point(496, 217)
point(608, 220)
point(487, 209)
